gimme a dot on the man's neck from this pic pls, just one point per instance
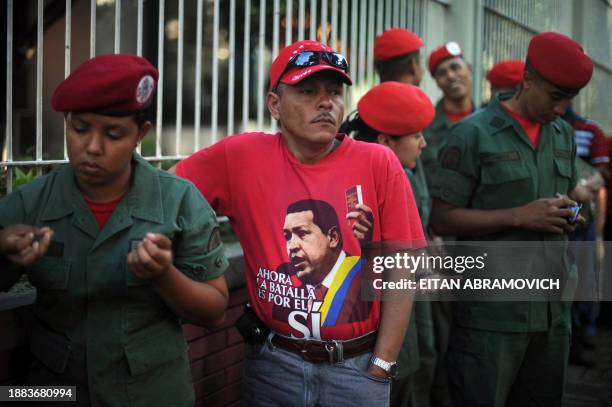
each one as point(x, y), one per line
point(458, 105)
point(310, 153)
point(408, 79)
point(516, 105)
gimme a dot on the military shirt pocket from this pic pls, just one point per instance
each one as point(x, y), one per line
point(563, 173)
point(52, 349)
point(151, 351)
point(131, 280)
point(50, 273)
point(499, 168)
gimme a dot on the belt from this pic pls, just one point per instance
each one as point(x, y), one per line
point(332, 351)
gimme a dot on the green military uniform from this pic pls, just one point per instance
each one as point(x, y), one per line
point(508, 352)
point(414, 389)
point(96, 325)
point(435, 135)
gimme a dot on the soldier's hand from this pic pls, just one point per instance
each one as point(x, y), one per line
point(363, 226)
point(549, 215)
point(24, 244)
point(152, 258)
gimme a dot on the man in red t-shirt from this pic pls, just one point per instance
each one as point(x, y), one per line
point(254, 178)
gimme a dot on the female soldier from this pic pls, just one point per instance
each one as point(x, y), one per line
point(394, 114)
point(117, 250)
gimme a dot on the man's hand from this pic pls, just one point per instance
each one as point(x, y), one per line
point(363, 225)
point(152, 259)
point(376, 371)
point(549, 215)
point(24, 244)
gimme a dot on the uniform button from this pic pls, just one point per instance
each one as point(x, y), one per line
point(218, 262)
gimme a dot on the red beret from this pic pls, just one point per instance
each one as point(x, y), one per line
point(395, 42)
point(560, 60)
point(446, 51)
point(114, 84)
point(294, 74)
point(506, 74)
point(396, 108)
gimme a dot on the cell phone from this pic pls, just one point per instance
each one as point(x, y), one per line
point(575, 213)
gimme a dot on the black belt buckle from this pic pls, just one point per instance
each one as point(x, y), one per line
point(335, 351)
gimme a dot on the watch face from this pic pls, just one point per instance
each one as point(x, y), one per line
point(393, 370)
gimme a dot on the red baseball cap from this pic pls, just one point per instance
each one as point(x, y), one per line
point(293, 75)
point(396, 108)
point(446, 51)
point(118, 84)
point(506, 74)
point(395, 42)
point(560, 60)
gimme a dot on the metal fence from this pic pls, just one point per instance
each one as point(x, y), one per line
point(213, 58)
point(214, 55)
point(509, 25)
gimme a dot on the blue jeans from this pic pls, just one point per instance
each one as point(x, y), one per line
point(275, 377)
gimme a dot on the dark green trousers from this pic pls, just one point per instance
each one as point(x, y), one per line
point(492, 369)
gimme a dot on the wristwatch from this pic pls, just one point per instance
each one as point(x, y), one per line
point(389, 367)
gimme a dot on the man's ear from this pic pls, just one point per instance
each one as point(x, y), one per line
point(414, 66)
point(144, 129)
point(273, 103)
point(382, 139)
point(333, 235)
point(528, 79)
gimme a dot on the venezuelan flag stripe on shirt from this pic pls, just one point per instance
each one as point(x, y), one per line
point(332, 304)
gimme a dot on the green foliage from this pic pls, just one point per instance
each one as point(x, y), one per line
point(22, 178)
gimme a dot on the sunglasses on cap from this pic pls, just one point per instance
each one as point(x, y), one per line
point(311, 58)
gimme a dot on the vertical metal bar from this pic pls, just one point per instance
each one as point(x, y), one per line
point(231, 68)
point(9, 95)
point(117, 26)
point(388, 4)
point(478, 45)
point(275, 27)
point(403, 14)
point(139, 29)
point(410, 7)
point(362, 42)
point(301, 19)
point(370, 46)
point(353, 56)
point(160, 81)
point(275, 40)
point(313, 19)
point(334, 25)
point(179, 77)
point(379, 17)
point(198, 76)
point(324, 21)
point(343, 47)
point(289, 23)
point(396, 11)
point(260, 65)
point(92, 29)
point(246, 74)
point(67, 51)
point(39, 82)
point(215, 74)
